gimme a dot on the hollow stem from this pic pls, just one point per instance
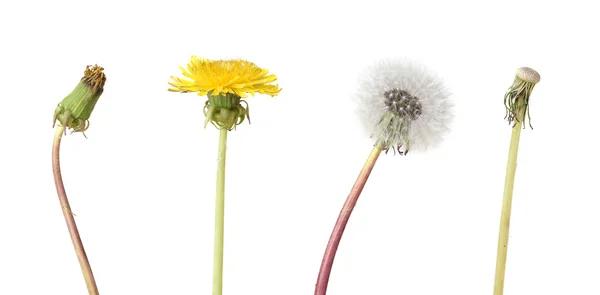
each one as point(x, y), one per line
point(86, 269)
point(340, 225)
point(219, 216)
point(509, 181)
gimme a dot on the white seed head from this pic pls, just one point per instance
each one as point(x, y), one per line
point(404, 106)
point(528, 75)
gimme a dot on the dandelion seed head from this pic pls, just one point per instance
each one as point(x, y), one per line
point(404, 106)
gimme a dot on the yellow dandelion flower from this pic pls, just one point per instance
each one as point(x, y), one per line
point(216, 77)
point(225, 83)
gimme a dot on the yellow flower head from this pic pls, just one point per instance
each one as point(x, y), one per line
point(216, 77)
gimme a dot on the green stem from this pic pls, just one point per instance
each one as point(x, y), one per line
point(86, 269)
point(219, 216)
point(509, 182)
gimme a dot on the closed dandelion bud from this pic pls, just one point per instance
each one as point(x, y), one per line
point(74, 111)
point(225, 83)
point(516, 99)
point(404, 106)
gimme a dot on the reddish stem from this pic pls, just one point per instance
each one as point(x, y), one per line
point(86, 269)
point(340, 225)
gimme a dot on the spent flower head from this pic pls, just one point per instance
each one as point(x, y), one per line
point(404, 106)
point(225, 83)
point(516, 99)
point(74, 111)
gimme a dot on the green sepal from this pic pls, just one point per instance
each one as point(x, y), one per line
point(225, 110)
point(74, 111)
point(516, 102)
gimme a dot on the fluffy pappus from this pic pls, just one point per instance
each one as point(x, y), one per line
point(404, 106)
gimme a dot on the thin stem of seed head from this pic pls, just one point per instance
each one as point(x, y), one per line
point(509, 181)
point(342, 221)
point(219, 215)
point(86, 269)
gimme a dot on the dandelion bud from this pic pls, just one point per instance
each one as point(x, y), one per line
point(404, 106)
point(516, 99)
point(74, 111)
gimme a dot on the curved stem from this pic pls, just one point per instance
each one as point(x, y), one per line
point(219, 216)
point(340, 225)
point(511, 168)
point(86, 269)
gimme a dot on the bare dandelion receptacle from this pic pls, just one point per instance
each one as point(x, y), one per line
point(516, 99)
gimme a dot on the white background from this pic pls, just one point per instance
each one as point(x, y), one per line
point(142, 185)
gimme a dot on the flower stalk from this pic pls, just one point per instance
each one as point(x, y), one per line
point(516, 102)
point(219, 215)
point(509, 182)
point(342, 221)
point(86, 269)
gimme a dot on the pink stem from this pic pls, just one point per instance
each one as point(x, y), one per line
point(86, 269)
point(340, 225)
